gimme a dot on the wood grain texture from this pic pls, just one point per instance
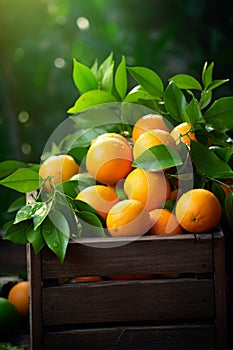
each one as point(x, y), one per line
point(183, 253)
point(35, 295)
point(182, 337)
point(164, 314)
point(129, 301)
point(220, 291)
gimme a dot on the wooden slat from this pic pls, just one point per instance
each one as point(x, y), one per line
point(35, 293)
point(183, 337)
point(131, 301)
point(183, 253)
point(220, 291)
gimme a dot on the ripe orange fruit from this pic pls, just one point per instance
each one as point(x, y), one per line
point(129, 217)
point(100, 197)
point(198, 210)
point(19, 296)
point(61, 168)
point(110, 134)
point(88, 279)
point(109, 158)
point(182, 133)
point(148, 122)
point(150, 188)
point(164, 222)
point(152, 138)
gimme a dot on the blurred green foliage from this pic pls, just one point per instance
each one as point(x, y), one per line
point(39, 39)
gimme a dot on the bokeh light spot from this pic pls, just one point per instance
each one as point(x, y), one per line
point(26, 148)
point(23, 117)
point(82, 23)
point(59, 62)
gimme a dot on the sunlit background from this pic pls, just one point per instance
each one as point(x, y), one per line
point(40, 38)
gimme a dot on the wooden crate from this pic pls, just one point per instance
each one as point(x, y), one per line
point(187, 312)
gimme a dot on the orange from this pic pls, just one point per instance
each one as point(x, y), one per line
point(61, 168)
point(152, 138)
point(88, 279)
point(150, 188)
point(110, 134)
point(164, 222)
point(198, 210)
point(129, 217)
point(148, 122)
point(19, 296)
point(100, 197)
point(182, 133)
point(109, 158)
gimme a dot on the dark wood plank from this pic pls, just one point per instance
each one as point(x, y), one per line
point(183, 253)
point(35, 293)
point(131, 301)
point(220, 291)
point(183, 337)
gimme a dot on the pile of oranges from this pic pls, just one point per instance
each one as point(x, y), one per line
point(109, 160)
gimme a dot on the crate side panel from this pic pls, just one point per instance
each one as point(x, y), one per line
point(180, 254)
point(131, 301)
point(197, 337)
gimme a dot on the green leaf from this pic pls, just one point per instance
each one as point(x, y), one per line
point(105, 66)
point(36, 211)
point(148, 79)
point(17, 204)
point(136, 94)
point(17, 233)
point(41, 213)
point(157, 158)
point(219, 115)
point(91, 225)
point(94, 68)
point(60, 221)
point(170, 204)
point(207, 73)
point(216, 83)
point(78, 153)
point(185, 81)
point(56, 240)
point(174, 101)
point(35, 238)
point(22, 180)
point(205, 99)
point(81, 181)
point(83, 77)
point(222, 152)
point(121, 78)
point(219, 193)
point(207, 162)
point(192, 112)
point(91, 98)
point(107, 80)
point(7, 167)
